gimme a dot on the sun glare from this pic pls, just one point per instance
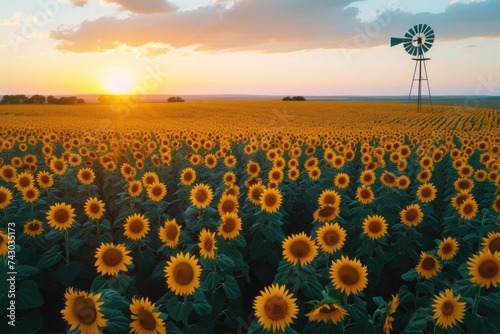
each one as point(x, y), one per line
point(118, 83)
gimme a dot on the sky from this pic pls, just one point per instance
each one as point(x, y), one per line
point(263, 47)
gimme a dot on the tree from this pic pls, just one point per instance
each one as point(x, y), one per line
point(175, 99)
point(295, 98)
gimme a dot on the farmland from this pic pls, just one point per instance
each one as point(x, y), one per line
point(240, 216)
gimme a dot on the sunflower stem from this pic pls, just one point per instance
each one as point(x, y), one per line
point(66, 245)
point(476, 300)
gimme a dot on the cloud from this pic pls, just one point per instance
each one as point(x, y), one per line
point(275, 26)
point(14, 20)
point(79, 3)
point(144, 6)
point(468, 46)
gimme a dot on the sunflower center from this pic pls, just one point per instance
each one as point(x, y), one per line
point(488, 269)
point(157, 191)
point(275, 308)
point(85, 310)
point(208, 244)
point(3, 197)
point(327, 309)
point(348, 275)
point(389, 178)
point(229, 225)
point(300, 248)
point(270, 200)
point(365, 193)
point(461, 198)
point(95, 208)
point(33, 226)
point(464, 184)
point(201, 196)
point(426, 192)
point(411, 215)
point(327, 211)
point(171, 232)
point(24, 182)
point(428, 263)
point(494, 245)
point(183, 273)
point(276, 175)
point(136, 226)
point(331, 238)
point(86, 176)
point(228, 206)
point(134, 188)
point(447, 248)
point(112, 257)
point(329, 199)
point(148, 322)
point(447, 308)
point(467, 209)
point(150, 180)
point(341, 180)
point(58, 165)
point(30, 193)
point(375, 226)
point(61, 216)
point(45, 179)
point(8, 173)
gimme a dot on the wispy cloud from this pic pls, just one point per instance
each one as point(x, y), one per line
point(14, 20)
point(79, 3)
point(270, 26)
point(468, 46)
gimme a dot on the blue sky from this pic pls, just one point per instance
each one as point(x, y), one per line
point(315, 47)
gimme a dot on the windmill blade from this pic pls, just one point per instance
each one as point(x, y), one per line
point(412, 31)
point(410, 49)
point(427, 46)
point(420, 28)
point(396, 40)
point(427, 29)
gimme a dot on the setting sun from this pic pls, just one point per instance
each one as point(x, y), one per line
point(118, 83)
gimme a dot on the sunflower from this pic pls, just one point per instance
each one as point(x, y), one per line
point(201, 195)
point(468, 209)
point(127, 170)
point(229, 178)
point(230, 161)
point(328, 310)
point(375, 226)
point(134, 188)
point(426, 192)
point(492, 242)
point(331, 237)
point(349, 276)
point(233, 190)
point(183, 274)
point(44, 180)
point(230, 226)
point(329, 197)
point(136, 226)
point(144, 318)
point(58, 166)
point(341, 180)
point(227, 204)
point(314, 173)
point(169, 233)
point(149, 178)
point(253, 168)
point(365, 195)
point(156, 191)
point(270, 200)
point(367, 177)
point(210, 161)
point(255, 192)
point(463, 184)
point(424, 176)
point(447, 309)
point(299, 249)
point(111, 259)
point(293, 174)
point(496, 204)
point(3, 243)
point(276, 175)
point(207, 244)
point(480, 175)
point(428, 265)
point(30, 194)
point(388, 179)
point(402, 182)
point(460, 198)
point(394, 303)
point(448, 248)
point(94, 208)
point(85, 176)
point(61, 216)
point(275, 308)
point(83, 311)
point(5, 197)
point(8, 173)
point(412, 215)
point(33, 228)
point(485, 268)
point(326, 213)
point(24, 180)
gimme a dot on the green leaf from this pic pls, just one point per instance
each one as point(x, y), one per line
point(172, 328)
point(201, 305)
point(464, 272)
point(475, 323)
point(99, 283)
point(117, 322)
point(491, 301)
point(31, 323)
point(66, 273)
point(49, 257)
point(120, 283)
point(113, 299)
point(358, 310)
point(27, 296)
point(379, 301)
point(231, 288)
point(418, 321)
point(177, 310)
point(224, 262)
point(410, 275)
point(25, 271)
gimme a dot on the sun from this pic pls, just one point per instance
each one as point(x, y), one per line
point(118, 83)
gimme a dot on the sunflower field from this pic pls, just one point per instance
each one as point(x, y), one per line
point(249, 217)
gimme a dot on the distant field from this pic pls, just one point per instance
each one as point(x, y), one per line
point(223, 213)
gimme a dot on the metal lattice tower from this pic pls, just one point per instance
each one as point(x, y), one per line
point(417, 40)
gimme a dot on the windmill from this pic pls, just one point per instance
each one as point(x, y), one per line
point(417, 41)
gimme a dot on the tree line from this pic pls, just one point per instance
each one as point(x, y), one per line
point(40, 99)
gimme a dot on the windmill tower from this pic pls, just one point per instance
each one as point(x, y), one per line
point(417, 40)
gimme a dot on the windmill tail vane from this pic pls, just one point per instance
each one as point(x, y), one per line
point(416, 41)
